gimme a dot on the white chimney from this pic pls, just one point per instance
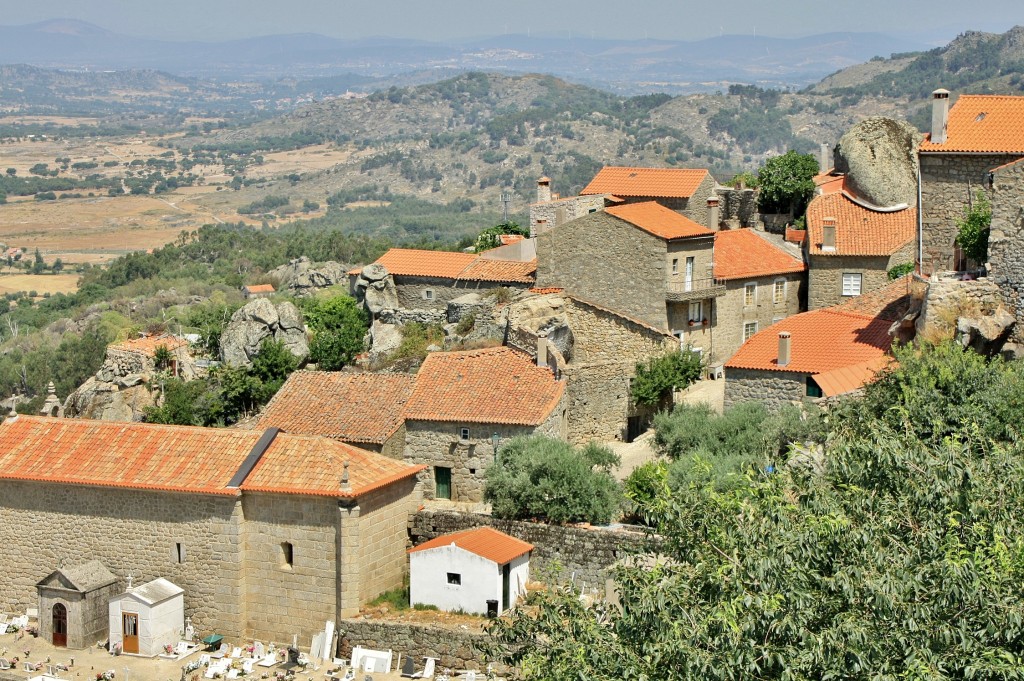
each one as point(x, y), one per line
point(940, 116)
point(784, 348)
point(544, 190)
point(542, 348)
point(824, 158)
point(828, 234)
point(713, 219)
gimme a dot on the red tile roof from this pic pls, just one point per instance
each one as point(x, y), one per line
point(653, 182)
point(493, 385)
point(147, 346)
point(990, 124)
point(550, 289)
point(859, 230)
point(348, 407)
point(796, 236)
point(148, 456)
point(890, 302)
point(741, 254)
point(507, 239)
point(655, 219)
point(485, 542)
point(850, 378)
point(827, 183)
point(460, 266)
point(260, 288)
point(821, 341)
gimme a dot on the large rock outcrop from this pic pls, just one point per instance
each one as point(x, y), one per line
point(111, 401)
point(302, 276)
point(259, 320)
point(375, 289)
point(879, 157)
point(543, 313)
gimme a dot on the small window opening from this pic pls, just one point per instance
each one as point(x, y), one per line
point(472, 471)
point(179, 552)
point(455, 578)
point(428, 294)
point(287, 554)
point(463, 433)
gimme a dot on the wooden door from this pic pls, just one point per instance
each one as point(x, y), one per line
point(506, 587)
point(442, 482)
point(60, 625)
point(130, 632)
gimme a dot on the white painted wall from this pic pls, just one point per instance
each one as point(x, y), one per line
point(520, 575)
point(159, 624)
point(428, 580)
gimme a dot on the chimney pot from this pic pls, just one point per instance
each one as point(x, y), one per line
point(824, 158)
point(784, 348)
point(542, 348)
point(940, 116)
point(713, 213)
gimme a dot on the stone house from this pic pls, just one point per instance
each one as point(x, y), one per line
point(465, 403)
point(364, 410)
point(257, 291)
point(269, 534)
point(480, 571)
point(429, 279)
point(73, 604)
point(821, 353)
point(137, 357)
point(641, 259)
point(551, 210)
point(851, 245)
point(978, 134)
point(1006, 256)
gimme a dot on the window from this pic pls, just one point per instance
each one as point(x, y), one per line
point(813, 389)
point(592, 210)
point(749, 294)
point(178, 555)
point(749, 329)
point(675, 265)
point(428, 294)
point(779, 292)
point(689, 273)
point(851, 283)
point(463, 433)
point(696, 313)
point(455, 579)
point(287, 555)
point(679, 335)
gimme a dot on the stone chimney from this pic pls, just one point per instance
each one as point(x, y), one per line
point(784, 348)
point(828, 234)
point(544, 190)
point(344, 478)
point(542, 348)
point(824, 158)
point(713, 219)
point(940, 116)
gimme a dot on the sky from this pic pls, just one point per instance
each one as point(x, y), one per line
point(934, 21)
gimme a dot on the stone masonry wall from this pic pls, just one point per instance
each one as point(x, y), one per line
point(551, 214)
point(411, 291)
point(772, 388)
point(948, 182)
point(383, 518)
point(1005, 250)
point(825, 275)
point(608, 261)
point(129, 531)
point(455, 649)
point(584, 554)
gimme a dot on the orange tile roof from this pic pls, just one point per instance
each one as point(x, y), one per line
point(827, 183)
point(260, 288)
point(507, 239)
point(740, 254)
point(890, 302)
point(148, 345)
point(550, 289)
point(338, 405)
point(653, 182)
point(493, 385)
point(448, 265)
point(821, 341)
point(147, 456)
point(655, 219)
point(850, 378)
point(796, 236)
point(485, 542)
point(859, 230)
point(990, 124)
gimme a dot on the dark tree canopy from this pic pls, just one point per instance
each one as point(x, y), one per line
point(787, 183)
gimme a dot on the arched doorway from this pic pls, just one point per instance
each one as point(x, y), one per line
point(60, 625)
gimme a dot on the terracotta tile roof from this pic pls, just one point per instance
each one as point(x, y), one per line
point(821, 341)
point(507, 239)
point(493, 385)
point(655, 219)
point(448, 265)
point(741, 254)
point(828, 183)
point(796, 236)
point(850, 378)
point(342, 406)
point(485, 542)
point(148, 456)
point(260, 288)
point(890, 302)
point(147, 346)
point(550, 289)
point(859, 230)
point(653, 182)
point(989, 124)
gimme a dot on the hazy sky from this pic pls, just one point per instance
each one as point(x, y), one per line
point(448, 19)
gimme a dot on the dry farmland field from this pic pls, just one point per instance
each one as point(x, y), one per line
point(40, 283)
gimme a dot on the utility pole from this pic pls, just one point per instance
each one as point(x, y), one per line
point(506, 198)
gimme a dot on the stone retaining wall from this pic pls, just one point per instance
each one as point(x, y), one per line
point(455, 649)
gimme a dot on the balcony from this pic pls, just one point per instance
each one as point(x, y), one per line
point(695, 289)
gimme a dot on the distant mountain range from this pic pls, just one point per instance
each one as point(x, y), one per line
point(627, 66)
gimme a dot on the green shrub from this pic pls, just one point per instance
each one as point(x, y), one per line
point(973, 229)
point(465, 324)
point(900, 270)
point(655, 380)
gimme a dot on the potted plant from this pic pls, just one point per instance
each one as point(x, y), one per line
point(704, 321)
point(692, 322)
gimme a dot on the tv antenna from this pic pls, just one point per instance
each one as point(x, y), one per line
point(506, 198)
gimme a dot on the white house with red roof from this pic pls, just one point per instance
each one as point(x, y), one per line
point(480, 571)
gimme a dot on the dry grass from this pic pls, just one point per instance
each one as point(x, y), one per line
point(41, 283)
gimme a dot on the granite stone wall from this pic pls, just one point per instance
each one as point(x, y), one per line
point(1006, 236)
point(411, 291)
point(825, 275)
point(771, 388)
point(551, 214)
point(948, 183)
point(722, 340)
point(384, 516)
point(455, 649)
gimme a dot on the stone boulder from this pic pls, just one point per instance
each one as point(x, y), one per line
point(383, 340)
point(468, 304)
point(95, 399)
point(879, 157)
point(544, 313)
point(987, 334)
point(379, 295)
point(302, 277)
point(257, 321)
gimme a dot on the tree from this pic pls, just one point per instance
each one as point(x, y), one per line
point(491, 237)
point(58, 266)
point(38, 264)
point(787, 183)
point(973, 229)
point(12, 171)
point(545, 478)
point(162, 357)
point(655, 380)
point(903, 559)
point(338, 325)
